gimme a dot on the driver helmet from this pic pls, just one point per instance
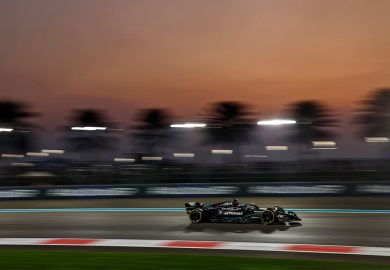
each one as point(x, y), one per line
point(236, 203)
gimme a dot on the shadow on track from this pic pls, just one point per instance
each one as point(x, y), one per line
point(238, 228)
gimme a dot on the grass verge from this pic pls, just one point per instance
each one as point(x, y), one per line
point(74, 260)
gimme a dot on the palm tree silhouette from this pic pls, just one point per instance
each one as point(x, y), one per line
point(14, 115)
point(374, 116)
point(229, 125)
point(152, 130)
point(89, 142)
point(313, 122)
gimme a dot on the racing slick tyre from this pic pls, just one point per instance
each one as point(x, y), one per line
point(268, 217)
point(195, 216)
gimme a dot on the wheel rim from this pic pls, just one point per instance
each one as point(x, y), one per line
point(268, 217)
point(195, 216)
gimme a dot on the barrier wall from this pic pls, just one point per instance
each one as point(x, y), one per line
point(288, 189)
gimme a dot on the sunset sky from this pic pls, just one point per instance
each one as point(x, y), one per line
point(125, 55)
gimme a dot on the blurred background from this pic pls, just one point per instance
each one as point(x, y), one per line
point(135, 92)
point(228, 142)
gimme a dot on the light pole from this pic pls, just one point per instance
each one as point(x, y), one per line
point(189, 125)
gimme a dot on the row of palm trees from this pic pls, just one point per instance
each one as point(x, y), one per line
point(230, 124)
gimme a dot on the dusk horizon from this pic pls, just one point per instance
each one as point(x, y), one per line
point(125, 56)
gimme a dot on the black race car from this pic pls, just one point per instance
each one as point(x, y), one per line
point(233, 212)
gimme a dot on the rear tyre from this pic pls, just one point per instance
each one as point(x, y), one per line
point(268, 217)
point(195, 216)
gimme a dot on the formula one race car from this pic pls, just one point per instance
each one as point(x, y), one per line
point(234, 212)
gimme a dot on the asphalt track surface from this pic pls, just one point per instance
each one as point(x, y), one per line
point(358, 229)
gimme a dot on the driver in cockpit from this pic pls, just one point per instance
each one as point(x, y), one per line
point(236, 203)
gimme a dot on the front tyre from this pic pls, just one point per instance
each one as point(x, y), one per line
point(268, 217)
point(195, 216)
